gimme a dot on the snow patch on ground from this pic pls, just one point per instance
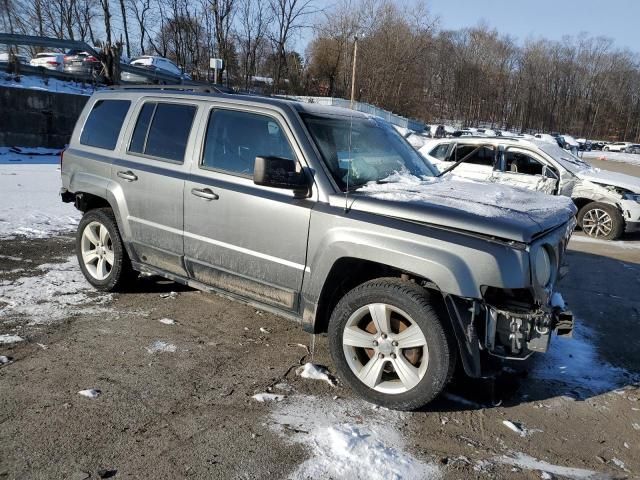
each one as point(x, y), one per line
point(316, 372)
point(605, 243)
point(91, 393)
point(35, 82)
point(576, 363)
point(31, 204)
point(630, 158)
point(167, 321)
point(161, 347)
point(526, 462)
point(268, 397)
point(8, 338)
point(46, 298)
point(346, 441)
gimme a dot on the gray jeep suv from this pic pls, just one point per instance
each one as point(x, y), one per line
point(322, 215)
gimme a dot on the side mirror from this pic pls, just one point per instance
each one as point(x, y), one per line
point(277, 172)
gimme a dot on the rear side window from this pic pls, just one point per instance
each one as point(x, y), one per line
point(484, 155)
point(235, 139)
point(162, 130)
point(104, 123)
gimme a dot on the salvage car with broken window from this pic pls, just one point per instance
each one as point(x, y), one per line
point(325, 216)
point(608, 203)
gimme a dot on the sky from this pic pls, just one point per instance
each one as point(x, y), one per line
point(534, 19)
point(552, 19)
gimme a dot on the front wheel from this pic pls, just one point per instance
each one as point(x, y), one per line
point(101, 253)
point(601, 220)
point(388, 342)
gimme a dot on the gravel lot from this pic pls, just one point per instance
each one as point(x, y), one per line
point(176, 395)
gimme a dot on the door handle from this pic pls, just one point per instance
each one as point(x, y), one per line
point(129, 176)
point(205, 193)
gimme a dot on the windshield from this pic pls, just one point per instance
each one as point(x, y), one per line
point(563, 157)
point(362, 150)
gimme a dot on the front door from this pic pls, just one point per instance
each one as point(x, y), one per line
point(243, 238)
point(523, 168)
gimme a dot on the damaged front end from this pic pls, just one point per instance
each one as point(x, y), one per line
point(512, 324)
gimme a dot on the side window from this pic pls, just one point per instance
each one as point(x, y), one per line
point(234, 139)
point(517, 162)
point(104, 123)
point(162, 130)
point(484, 156)
point(440, 152)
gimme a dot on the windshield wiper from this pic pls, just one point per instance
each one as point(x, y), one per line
point(458, 162)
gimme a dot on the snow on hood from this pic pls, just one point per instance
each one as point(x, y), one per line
point(628, 182)
point(483, 207)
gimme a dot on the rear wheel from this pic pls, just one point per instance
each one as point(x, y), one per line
point(101, 253)
point(601, 220)
point(388, 342)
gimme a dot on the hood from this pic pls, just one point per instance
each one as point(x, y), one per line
point(604, 177)
point(479, 207)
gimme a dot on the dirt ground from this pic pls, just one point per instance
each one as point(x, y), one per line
point(176, 399)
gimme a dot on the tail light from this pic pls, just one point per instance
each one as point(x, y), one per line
point(52, 62)
point(91, 59)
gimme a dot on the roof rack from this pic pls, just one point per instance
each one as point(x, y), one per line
point(178, 87)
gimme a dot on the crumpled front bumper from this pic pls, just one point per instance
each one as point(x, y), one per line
point(517, 335)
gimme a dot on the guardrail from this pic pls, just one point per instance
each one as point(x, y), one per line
point(390, 117)
point(62, 44)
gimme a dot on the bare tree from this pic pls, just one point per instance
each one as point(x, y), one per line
point(123, 12)
point(223, 13)
point(254, 20)
point(288, 17)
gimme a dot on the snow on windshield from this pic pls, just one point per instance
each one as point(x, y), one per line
point(480, 198)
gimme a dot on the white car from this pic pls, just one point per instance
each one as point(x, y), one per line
point(5, 58)
point(617, 147)
point(545, 137)
point(152, 63)
point(49, 60)
point(608, 202)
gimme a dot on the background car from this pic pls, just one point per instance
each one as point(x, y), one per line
point(584, 144)
point(5, 58)
point(151, 63)
point(635, 148)
point(617, 147)
point(82, 63)
point(546, 137)
point(608, 203)
point(49, 60)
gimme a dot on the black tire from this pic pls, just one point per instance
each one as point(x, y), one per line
point(617, 222)
point(121, 273)
point(427, 311)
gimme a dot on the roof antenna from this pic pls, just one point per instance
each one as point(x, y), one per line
point(353, 90)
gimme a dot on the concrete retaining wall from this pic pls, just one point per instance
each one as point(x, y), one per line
point(37, 118)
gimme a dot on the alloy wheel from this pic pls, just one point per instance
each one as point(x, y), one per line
point(597, 223)
point(385, 348)
point(97, 250)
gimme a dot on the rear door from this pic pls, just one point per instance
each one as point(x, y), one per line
point(525, 169)
point(246, 239)
point(151, 174)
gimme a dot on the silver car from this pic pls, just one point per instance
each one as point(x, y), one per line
point(324, 216)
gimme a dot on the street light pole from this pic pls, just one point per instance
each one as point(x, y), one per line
point(353, 73)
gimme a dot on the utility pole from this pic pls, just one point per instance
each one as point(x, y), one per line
point(353, 73)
